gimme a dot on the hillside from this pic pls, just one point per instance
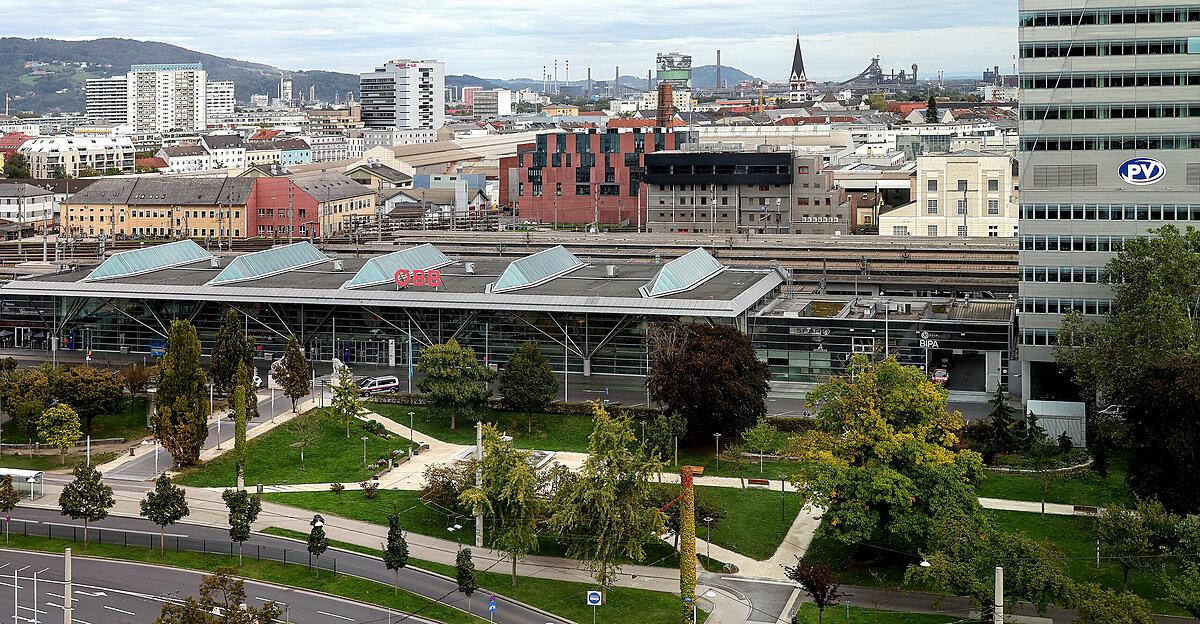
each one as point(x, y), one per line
point(58, 85)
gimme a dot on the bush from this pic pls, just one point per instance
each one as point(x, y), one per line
point(336, 488)
point(444, 483)
point(792, 425)
point(376, 428)
point(370, 489)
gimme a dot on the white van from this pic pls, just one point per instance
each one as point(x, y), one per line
point(377, 385)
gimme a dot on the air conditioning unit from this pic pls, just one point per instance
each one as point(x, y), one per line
point(610, 270)
point(469, 268)
point(214, 262)
point(337, 265)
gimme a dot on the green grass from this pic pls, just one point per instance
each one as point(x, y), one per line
point(550, 432)
point(352, 588)
point(858, 565)
point(752, 524)
point(1080, 488)
point(49, 463)
point(744, 468)
point(859, 615)
point(273, 461)
point(562, 598)
point(130, 424)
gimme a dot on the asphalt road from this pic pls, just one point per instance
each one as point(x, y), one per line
point(198, 537)
point(113, 592)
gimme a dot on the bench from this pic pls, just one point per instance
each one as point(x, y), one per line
point(758, 483)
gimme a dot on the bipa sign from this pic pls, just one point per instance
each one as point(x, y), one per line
point(1141, 171)
point(418, 277)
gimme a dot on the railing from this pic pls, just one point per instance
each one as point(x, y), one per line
point(37, 446)
point(176, 542)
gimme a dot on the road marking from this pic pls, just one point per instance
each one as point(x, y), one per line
point(59, 596)
point(119, 610)
point(93, 594)
point(334, 615)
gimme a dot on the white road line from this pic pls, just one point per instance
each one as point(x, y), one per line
point(59, 596)
point(119, 610)
point(334, 615)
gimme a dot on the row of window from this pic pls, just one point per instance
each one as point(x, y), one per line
point(279, 229)
point(283, 212)
point(1067, 242)
point(932, 230)
point(1111, 212)
point(1111, 111)
point(1127, 47)
point(1124, 15)
point(993, 206)
point(1039, 337)
point(1110, 142)
point(1054, 305)
point(993, 185)
point(1104, 80)
point(1064, 275)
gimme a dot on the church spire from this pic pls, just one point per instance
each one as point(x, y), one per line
point(798, 75)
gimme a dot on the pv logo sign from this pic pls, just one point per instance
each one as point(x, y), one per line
point(1141, 171)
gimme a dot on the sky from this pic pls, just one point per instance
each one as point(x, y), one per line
point(510, 39)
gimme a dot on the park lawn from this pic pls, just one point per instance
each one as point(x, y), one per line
point(861, 615)
point(130, 425)
point(555, 596)
point(1080, 488)
point(272, 460)
point(752, 525)
point(551, 432)
point(1075, 535)
point(858, 565)
point(744, 468)
point(48, 463)
point(291, 575)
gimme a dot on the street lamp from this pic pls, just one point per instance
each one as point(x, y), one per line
point(708, 521)
point(457, 539)
point(717, 437)
point(364, 439)
point(410, 435)
point(782, 498)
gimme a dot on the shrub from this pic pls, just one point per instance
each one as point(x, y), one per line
point(336, 488)
point(370, 489)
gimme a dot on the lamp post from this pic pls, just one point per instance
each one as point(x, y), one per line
point(410, 435)
point(454, 529)
point(210, 410)
point(717, 437)
point(364, 440)
point(708, 521)
point(782, 498)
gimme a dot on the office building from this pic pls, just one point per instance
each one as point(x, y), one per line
point(77, 155)
point(167, 97)
point(404, 94)
point(468, 95)
point(219, 98)
point(493, 103)
point(26, 204)
point(285, 90)
point(107, 99)
point(1110, 146)
point(962, 193)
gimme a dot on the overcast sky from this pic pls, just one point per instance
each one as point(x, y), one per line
point(507, 39)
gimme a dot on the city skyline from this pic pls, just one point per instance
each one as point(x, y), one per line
point(757, 39)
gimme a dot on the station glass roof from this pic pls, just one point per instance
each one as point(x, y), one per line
point(148, 259)
point(536, 269)
point(382, 269)
point(683, 273)
point(269, 262)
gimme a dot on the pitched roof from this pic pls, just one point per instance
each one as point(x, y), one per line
point(265, 134)
point(798, 64)
point(382, 171)
point(177, 151)
point(55, 185)
point(291, 144)
point(157, 191)
point(222, 141)
point(328, 187)
point(22, 190)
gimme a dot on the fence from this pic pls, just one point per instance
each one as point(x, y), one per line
point(37, 446)
point(175, 542)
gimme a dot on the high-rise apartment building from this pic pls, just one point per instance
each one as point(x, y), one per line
point(1110, 149)
point(107, 99)
point(167, 97)
point(404, 94)
point(219, 98)
point(492, 103)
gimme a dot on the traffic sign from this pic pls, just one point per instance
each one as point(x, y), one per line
point(492, 604)
point(594, 597)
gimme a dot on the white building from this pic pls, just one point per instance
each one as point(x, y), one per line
point(165, 97)
point(184, 158)
point(493, 103)
point(329, 147)
point(260, 100)
point(404, 94)
point(395, 137)
point(220, 98)
point(226, 150)
point(25, 203)
point(285, 90)
point(107, 99)
point(76, 154)
point(959, 194)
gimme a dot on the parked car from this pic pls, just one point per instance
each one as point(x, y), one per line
point(377, 385)
point(940, 377)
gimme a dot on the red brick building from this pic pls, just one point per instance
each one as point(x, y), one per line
point(267, 211)
point(570, 177)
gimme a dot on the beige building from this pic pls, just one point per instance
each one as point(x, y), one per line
point(262, 153)
point(78, 154)
point(160, 207)
point(341, 202)
point(959, 194)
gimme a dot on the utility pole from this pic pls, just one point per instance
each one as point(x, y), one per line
point(292, 212)
point(479, 480)
point(998, 612)
point(67, 607)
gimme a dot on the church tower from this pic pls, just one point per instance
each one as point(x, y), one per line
point(798, 79)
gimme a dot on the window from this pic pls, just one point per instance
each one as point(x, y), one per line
point(962, 231)
point(993, 186)
point(899, 230)
point(993, 231)
point(993, 206)
point(931, 230)
point(962, 185)
point(962, 206)
point(803, 169)
point(931, 206)
point(931, 186)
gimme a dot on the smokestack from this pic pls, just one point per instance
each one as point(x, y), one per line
point(666, 98)
point(718, 70)
point(589, 83)
point(555, 83)
point(649, 80)
point(617, 84)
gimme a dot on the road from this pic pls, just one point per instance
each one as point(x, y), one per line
point(113, 592)
point(213, 539)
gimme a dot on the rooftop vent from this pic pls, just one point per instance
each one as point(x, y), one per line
point(214, 263)
point(610, 270)
point(337, 265)
point(469, 268)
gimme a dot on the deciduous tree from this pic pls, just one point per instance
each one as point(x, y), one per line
point(243, 511)
point(27, 394)
point(16, 167)
point(59, 427)
point(137, 376)
point(1095, 605)
point(165, 505)
point(305, 430)
point(663, 431)
point(292, 372)
point(527, 382)
point(763, 439)
point(318, 543)
point(9, 499)
point(222, 596)
point(86, 498)
point(181, 407)
point(818, 581)
point(454, 381)
point(347, 398)
point(395, 552)
point(1125, 538)
point(91, 392)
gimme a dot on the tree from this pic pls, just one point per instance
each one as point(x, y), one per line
point(664, 495)
point(395, 552)
point(878, 101)
point(527, 382)
point(1183, 588)
point(1095, 605)
point(86, 498)
point(9, 499)
point(1043, 459)
point(931, 111)
point(708, 374)
point(464, 573)
point(26, 395)
point(59, 427)
point(347, 398)
point(455, 382)
point(603, 513)
point(137, 376)
point(244, 377)
point(59, 173)
point(231, 347)
point(181, 410)
point(91, 392)
point(509, 495)
point(663, 430)
point(243, 511)
point(1124, 537)
point(1002, 434)
point(818, 581)
point(1035, 434)
point(16, 167)
point(292, 372)
point(883, 458)
point(86, 171)
point(305, 430)
point(240, 454)
point(113, 171)
point(317, 542)
point(763, 439)
point(222, 601)
point(166, 504)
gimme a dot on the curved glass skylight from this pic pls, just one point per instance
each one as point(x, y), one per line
point(382, 269)
point(536, 269)
point(683, 273)
point(148, 259)
point(269, 262)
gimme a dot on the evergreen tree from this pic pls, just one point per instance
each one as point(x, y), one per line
point(317, 542)
point(164, 505)
point(231, 347)
point(464, 572)
point(1002, 436)
point(931, 111)
point(292, 372)
point(395, 553)
point(243, 511)
point(86, 498)
point(245, 378)
point(347, 398)
point(527, 382)
point(181, 419)
point(455, 382)
point(1035, 434)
